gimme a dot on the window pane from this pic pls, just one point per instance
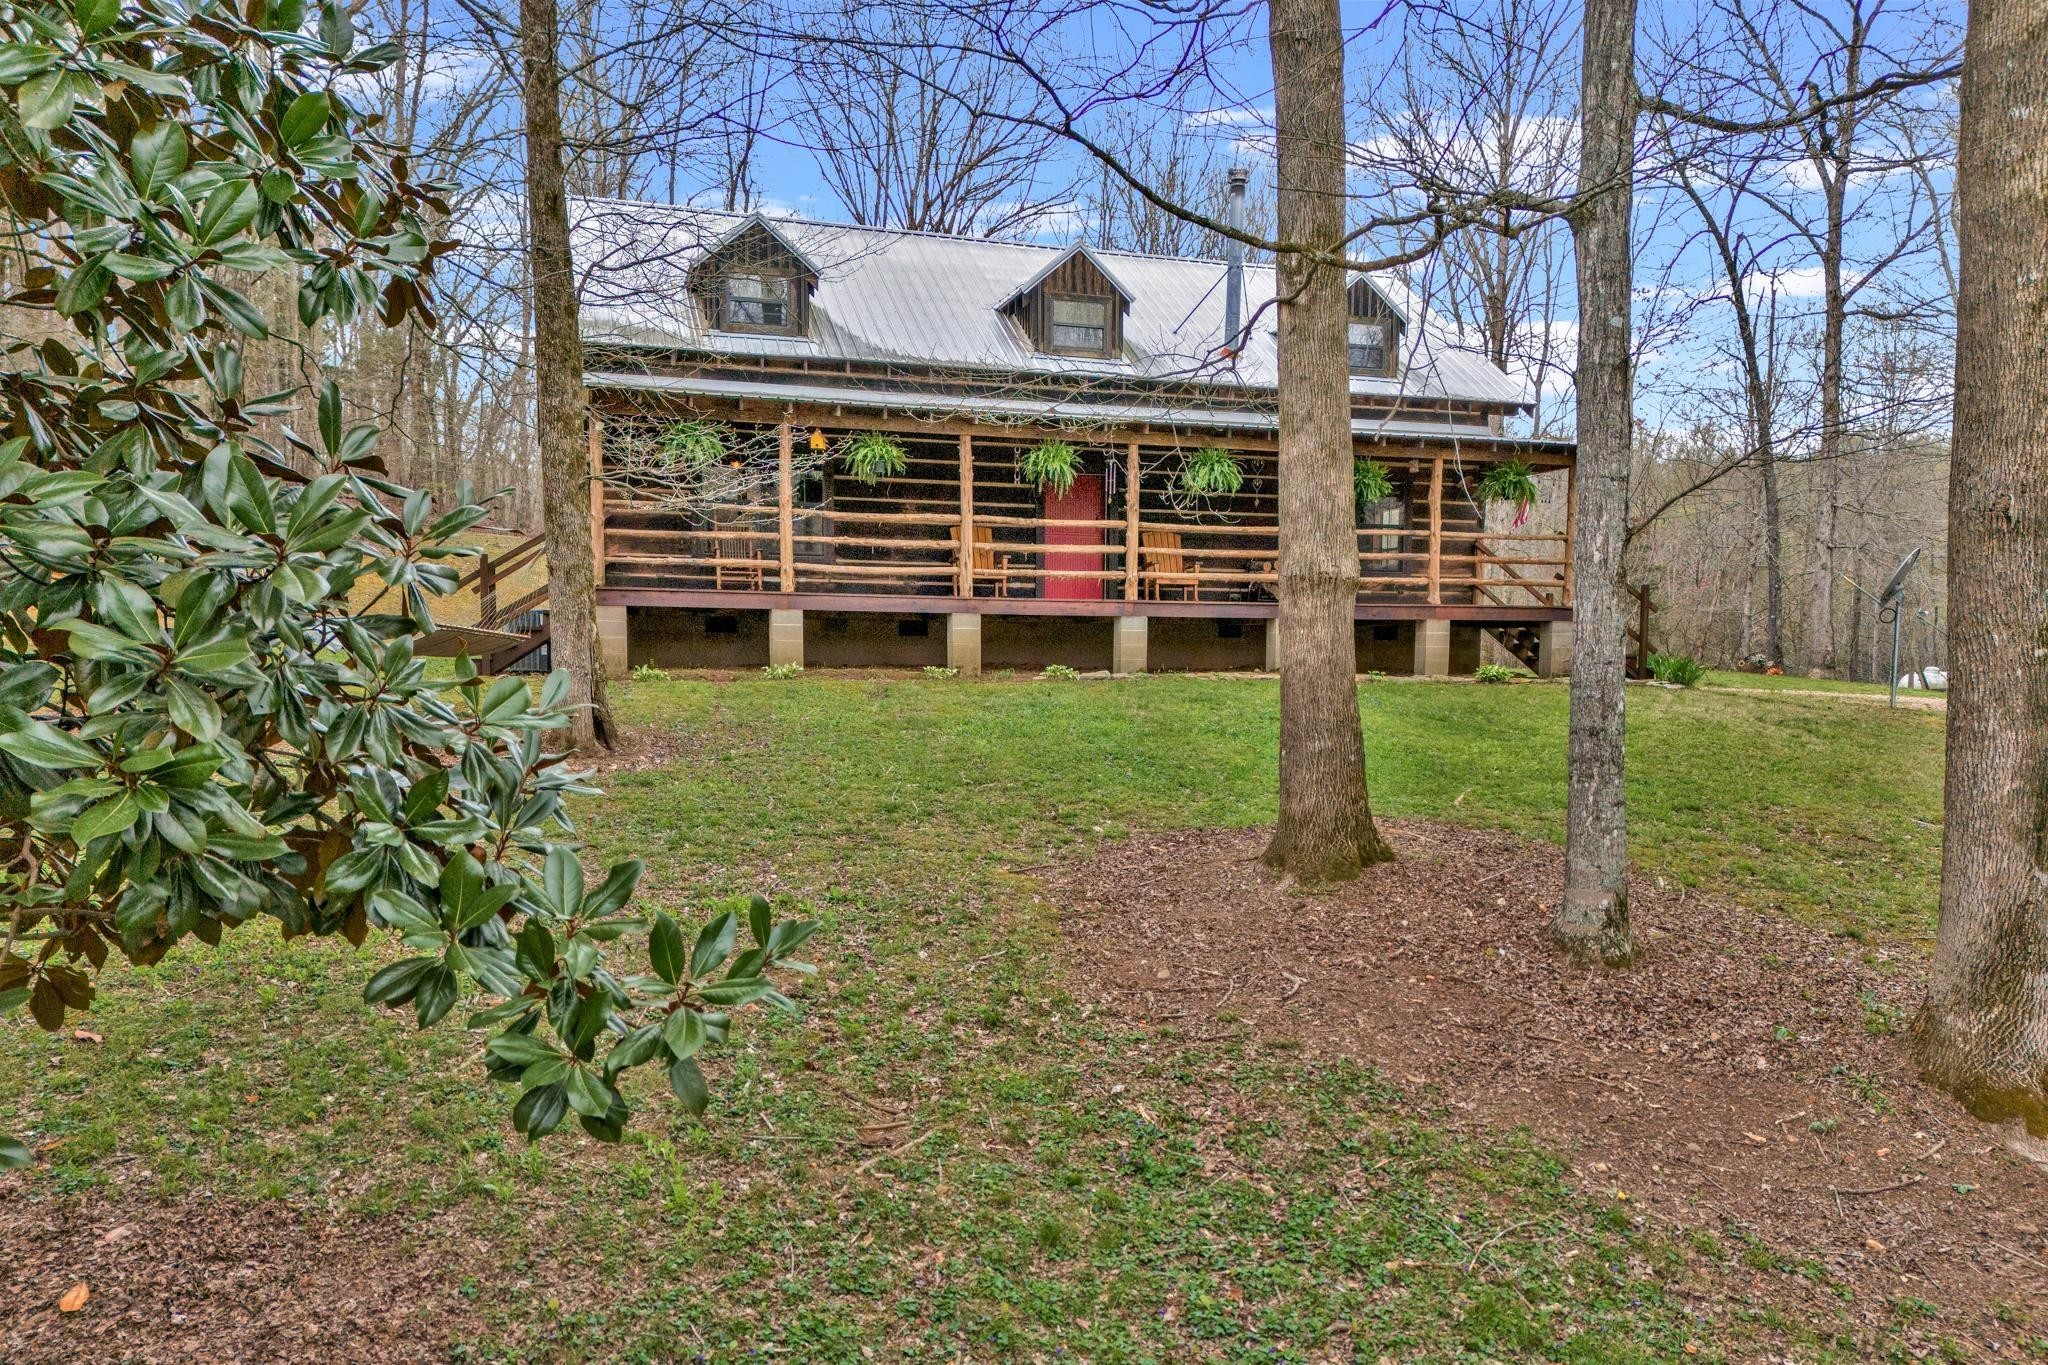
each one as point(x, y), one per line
point(1080, 324)
point(1392, 513)
point(756, 301)
point(1081, 312)
point(1368, 348)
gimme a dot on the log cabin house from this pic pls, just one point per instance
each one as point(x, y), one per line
point(814, 443)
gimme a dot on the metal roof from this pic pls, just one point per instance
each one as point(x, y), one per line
point(923, 300)
point(1107, 413)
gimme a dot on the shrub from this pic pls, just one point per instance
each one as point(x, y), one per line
point(1495, 673)
point(1050, 464)
point(1680, 669)
point(1065, 671)
point(938, 672)
point(201, 731)
point(871, 457)
point(1211, 471)
point(781, 672)
point(649, 673)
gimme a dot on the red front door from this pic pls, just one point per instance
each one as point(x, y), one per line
point(1082, 502)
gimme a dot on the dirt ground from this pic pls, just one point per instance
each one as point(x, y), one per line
point(1747, 1078)
point(201, 1280)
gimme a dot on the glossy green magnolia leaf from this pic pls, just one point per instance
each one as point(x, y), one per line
point(734, 991)
point(110, 816)
point(686, 1080)
point(541, 1110)
point(520, 1049)
point(685, 1034)
point(588, 1094)
point(665, 949)
point(45, 746)
point(714, 945)
point(159, 154)
point(306, 116)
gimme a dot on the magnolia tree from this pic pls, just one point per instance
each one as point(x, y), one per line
point(211, 712)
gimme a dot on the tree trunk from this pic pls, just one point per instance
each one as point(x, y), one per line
point(560, 405)
point(1839, 145)
point(1983, 1032)
point(1325, 831)
point(1820, 626)
point(1774, 544)
point(1591, 923)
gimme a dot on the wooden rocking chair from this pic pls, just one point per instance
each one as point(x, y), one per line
point(989, 566)
point(1163, 561)
point(752, 574)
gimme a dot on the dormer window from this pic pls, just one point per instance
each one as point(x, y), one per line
point(1072, 307)
point(1369, 348)
point(754, 280)
point(1375, 332)
point(757, 303)
point(1080, 325)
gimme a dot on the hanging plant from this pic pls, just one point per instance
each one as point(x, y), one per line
point(1510, 481)
point(694, 445)
point(1050, 465)
point(871, 457)
point(1211, 472)
point(1371, 482)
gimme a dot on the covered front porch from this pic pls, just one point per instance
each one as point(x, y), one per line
point(713, 510)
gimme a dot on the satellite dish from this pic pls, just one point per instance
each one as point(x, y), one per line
point(1897, 586)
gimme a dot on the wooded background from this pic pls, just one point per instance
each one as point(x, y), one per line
point(1795, 299)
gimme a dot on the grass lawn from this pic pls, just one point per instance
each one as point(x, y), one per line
point(1793, 682)
point(947, 1153)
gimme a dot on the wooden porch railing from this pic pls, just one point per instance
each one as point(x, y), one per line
point(1552, 592)
point(943, 526)
point(490, 571)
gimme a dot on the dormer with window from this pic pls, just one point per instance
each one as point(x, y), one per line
point(1073, 307)
point(755, 281)
point(1375, 331)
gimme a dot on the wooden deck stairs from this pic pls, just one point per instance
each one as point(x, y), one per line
point(503, 632)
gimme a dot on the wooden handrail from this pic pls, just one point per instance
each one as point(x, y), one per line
point(502, 564)
point(519, 608)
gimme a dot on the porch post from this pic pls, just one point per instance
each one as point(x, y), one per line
point(1131, 510)
point(785, 509)
point(486, 592)
point(1436, 530)
point(964, 584)
point(596, 497)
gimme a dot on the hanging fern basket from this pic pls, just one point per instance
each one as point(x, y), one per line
point(1371, 484)
point(1050, 466)
point(1211, 472)
point(1510, 481)
point(693, 445)
point(871, 457)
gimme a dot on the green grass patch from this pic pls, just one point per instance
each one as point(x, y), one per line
point(945, 1155)
point(1793, 682)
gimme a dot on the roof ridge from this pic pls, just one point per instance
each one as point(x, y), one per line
point(738, 215)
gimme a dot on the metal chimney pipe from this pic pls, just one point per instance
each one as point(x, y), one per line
point(1233, 256)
